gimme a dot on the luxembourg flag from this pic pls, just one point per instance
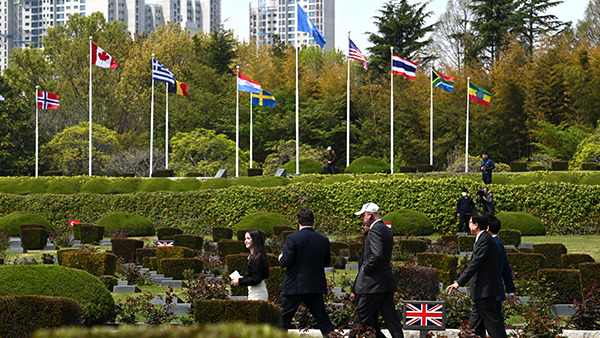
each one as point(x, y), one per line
point(244, 84)
point(403, 67)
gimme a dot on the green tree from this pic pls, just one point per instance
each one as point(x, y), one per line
point(452, 32)
point(69, 150)
point(535, 21)
point(587, 151)
point(216, 50)
point(589, 27)
point(494, 21)
point(558, 141)
point(286, 152)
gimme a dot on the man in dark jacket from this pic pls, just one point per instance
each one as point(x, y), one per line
point(330, 157)
point(305, 255)
point(487, 166)
point(482, 274)
point(464, 208)
point(375, 282)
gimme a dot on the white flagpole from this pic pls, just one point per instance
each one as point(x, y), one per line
point(36, 131)
point(152, 119)
point(348, 111)
point(391, 111)
point(251, 130)
point(90, 132)
point(431, 121)
point(467, 129)
point(297, 102)
point(167, 125)
point(237, 125)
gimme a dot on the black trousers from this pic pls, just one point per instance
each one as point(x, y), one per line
point(314, 303)
point(368, 308)
point(487, 178)
point(463, 222)
point(485, 316)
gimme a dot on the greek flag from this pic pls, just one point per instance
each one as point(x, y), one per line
point(162, 73)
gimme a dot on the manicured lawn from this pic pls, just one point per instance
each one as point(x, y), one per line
point(589, 244)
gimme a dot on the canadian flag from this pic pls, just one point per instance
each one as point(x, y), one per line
point(101, 58)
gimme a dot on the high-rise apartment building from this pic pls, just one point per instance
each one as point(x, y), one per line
point(24, 22)
point(275, 20)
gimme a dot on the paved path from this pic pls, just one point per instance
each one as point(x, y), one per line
point(453, 333)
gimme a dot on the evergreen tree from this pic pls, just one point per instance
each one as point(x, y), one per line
point(535, 21)
point(494, 21)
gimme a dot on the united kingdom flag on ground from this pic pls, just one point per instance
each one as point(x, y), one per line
point(424, 314)
point(47, 100)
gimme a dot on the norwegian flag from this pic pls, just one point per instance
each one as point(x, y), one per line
point(356, 54)
point(47, 100)
point(424, 314)
point(162, 244)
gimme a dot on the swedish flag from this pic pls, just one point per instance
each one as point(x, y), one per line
point(263, 99)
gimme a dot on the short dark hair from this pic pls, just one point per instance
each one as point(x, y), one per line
point(484, 153)
point(464, 189)
point(481, 219)
point(306, 217)
point(494, 224)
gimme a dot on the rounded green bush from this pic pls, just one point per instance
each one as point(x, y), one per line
point(560, 177)
point(186, 184)
point(500, 179)
point(528, 224)
point(305, 179)
point(135, 225)
point(307, 166)
point(124, 185)
point(31, 186)
point(261, 182)
point(591, 179)
point(245, 181)
point(12, 221)
point(406, 221)
point(524, 179)
point(155, 184)
point(8, 185)
point(262, 220)
point(97, 185)
point(215, 183)
point(53, 280)
point(337, 178)
point(63, 185)
point(367, 165)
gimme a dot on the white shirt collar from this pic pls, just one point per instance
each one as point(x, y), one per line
point(371, 227)
point(479, 234)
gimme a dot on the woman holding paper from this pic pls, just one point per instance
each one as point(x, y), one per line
point(257, 269)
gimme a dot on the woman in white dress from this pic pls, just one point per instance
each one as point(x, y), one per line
point(257, 269)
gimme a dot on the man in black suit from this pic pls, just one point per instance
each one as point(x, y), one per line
point(375, 283)
point(305, 255)
point(482, 272)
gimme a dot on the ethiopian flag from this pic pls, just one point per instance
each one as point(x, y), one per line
point(479, 95)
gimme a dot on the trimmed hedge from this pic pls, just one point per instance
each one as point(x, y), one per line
point(193, 242)
point(275, 282)
point(411, 245)
point(510, 237)
point(109, 281)
point(262, 220)
point(134, 225)
point(552, 252)
point(466, 243)
point(220, 233)
point(174, 252)
point(335, 247)
point(590, 273)
point(572, 261)
point(526, 265)
point(155, 184)
point(366, 165)
point(96, 185)
point(409, 222)
point(231, 248)
point(95, 263)
point(446, 264)
point(278, 229)
point(34, 238)
point(63, 185)
point(522, 221)
point(174, 267)
point(565, 284)
point(417, 282)
point(11, 222)
point(560, 165)
point(53, 280)
point(186, 184)
point(247, 311)
point(354, 250)
point(167, 233)
point(517, 166)
point(591, 179)
point(60, 253)
point(90, 233)
point(124, 185)
point(21, 316)
point(126, 247)
point(307, 166)
point(238, 262)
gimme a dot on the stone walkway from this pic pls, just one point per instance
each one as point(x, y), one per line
point(453, 333)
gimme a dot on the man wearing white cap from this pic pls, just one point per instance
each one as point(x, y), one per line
point(375, 283)
point(330, 157)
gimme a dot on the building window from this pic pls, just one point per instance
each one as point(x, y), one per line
point(291, 22)
point(311, 7)
point(291, 36)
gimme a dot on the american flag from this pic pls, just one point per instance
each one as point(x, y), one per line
point(424, 314)
point(355, 53)
point(47, 100)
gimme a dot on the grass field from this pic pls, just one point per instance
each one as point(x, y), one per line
point(588, 244)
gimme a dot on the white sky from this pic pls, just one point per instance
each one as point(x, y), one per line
point(357, 16)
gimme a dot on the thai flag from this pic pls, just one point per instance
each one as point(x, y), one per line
point(403, 67)
point(424, 314)
point(244, 84)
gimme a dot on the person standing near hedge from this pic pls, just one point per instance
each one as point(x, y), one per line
point(482, 274)
point(464, 208)
point(305, 255)
point(486, 200)
point(257, 269)
point(330, 157)
point(487, 166)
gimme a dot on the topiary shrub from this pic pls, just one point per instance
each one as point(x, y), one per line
point(174, 252)
point(524, 179)
point(528, 225)
point(526, 265)
point(66, 185)
point(572, 261)
point(417, 282)
point(251, 312)
point(21, 316)
point(407, 169)
point(552, 252)
point(262, 182)
point(446, 264)
point(125, 185)
point(11, 222)
point(135, 225)
point(354, 251)
point(278, 229)
point(305, 179)
point(90, 233)
point(591, 179)
point(167, 233)
point(562, 177)
point(406, 221)
point(163, 173)
point(96, 185)
point(61, 252)
point(331, 179)
point(560, 165)
point(275, 283)
point(307, 166)
point(109, 281)
point(238, 262)
point(564, 284)
point(155, 184)
point(215, 183)
point(367, 165)
point(95, 263)
point(284, 235)
point(220, 234)
point(590, 273)
point(231, 248)
point(125, 248)
point(30, 186)
point(448, 238)
point(412, 245)
point(53, 280)
point(33, 238)
point(424, 168)
point(193, 242)
point(466, 243)
point(262, 220)
point(186, 184)
point(142, 253)
point(588, 166)
point(338, 262)
point(510, 237)
point(174, 267)
point(517, 166)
